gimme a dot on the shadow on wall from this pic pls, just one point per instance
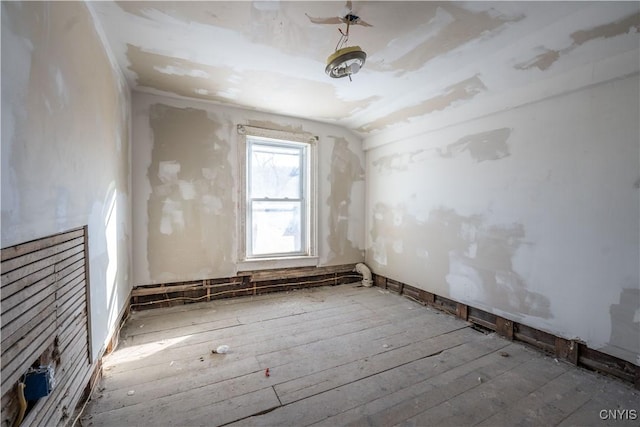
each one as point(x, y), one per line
point(472, 258)
point(346, 169)
point(191, 210)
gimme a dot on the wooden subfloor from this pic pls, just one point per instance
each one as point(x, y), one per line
point(343, 355)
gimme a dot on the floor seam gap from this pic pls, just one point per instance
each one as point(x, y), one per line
point(373, 374)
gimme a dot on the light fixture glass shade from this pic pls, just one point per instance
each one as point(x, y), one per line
point(345, 62)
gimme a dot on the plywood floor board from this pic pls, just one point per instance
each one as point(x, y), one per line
point(337, 355)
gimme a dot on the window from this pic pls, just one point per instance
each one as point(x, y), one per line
point(278, 196)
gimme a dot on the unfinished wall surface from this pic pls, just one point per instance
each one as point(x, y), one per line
point(530, 213)
point(65, 144)
point(186, 189)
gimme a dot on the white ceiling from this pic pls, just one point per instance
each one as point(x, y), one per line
point(425, 59)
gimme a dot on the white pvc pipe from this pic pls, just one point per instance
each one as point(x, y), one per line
point(366, 274)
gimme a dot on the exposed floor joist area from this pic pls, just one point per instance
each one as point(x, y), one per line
point(337, 356)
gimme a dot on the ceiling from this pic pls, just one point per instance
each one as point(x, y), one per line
point(424, 58)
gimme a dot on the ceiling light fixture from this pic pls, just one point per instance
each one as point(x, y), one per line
point(345, 61)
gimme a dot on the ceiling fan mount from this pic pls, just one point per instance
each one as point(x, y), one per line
point(346, 60)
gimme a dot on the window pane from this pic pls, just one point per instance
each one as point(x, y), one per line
point(275, 172)
point(276, 227)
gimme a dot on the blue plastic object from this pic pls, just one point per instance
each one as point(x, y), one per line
point(38, 383)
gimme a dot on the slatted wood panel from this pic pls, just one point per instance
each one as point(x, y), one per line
point(45, 318)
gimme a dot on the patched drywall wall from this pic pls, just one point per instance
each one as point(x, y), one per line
point(192, 201)
point(531, 213)
point(65, 144)
point(186, 188)
point(346, 188)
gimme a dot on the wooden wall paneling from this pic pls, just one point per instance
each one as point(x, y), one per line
point(462, 311)
point(17, 366)
point(22, 313)
point(68, 247)
point(567, 350)
point(380, 281)
point(44, 302)
point(30, 340)
point(427, 297)
point(608, 364)
point(72, 309)
point(535, 337)
point(73, 332)
point(12, 276)
point(445, 304)
point(69, 285)
point(504, 327)
point(87, 290)
point(394, 286)
point(27, 293)
point(51, 408)
point(411, 292)
point(10, 288)
point(9, 408)
point(14, 331)
point(482, 318)
point(35, 245)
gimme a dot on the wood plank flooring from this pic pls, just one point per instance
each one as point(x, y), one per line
point(343, 355)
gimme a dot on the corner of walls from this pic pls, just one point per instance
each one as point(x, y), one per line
point(102, 37)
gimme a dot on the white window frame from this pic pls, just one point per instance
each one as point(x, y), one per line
point(308, 255)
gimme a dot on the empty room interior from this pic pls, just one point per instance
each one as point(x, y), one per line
point(292, 213)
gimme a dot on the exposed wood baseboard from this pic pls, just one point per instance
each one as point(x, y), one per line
point(245, 284)
point(573, 351)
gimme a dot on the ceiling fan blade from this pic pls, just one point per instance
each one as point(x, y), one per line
point(334, 20)
point(361, 22)
point(349, 5)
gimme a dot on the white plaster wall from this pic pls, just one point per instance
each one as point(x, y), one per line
point(226, 120)
point(543, 229)
point(65, 145)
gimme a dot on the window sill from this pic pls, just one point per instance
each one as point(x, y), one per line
point(273, 263)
